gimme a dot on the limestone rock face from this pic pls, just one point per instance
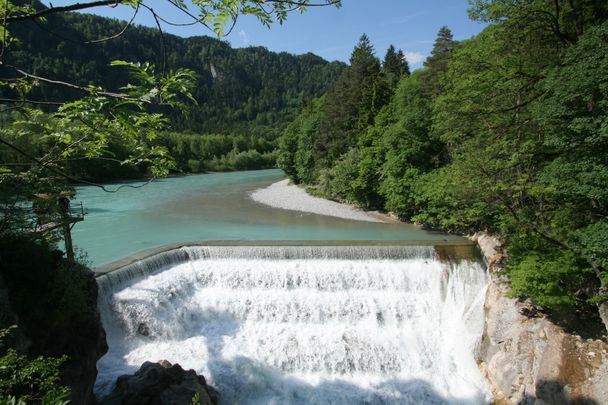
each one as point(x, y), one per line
point(162, 384)
point(489, 245)
point(528, 359)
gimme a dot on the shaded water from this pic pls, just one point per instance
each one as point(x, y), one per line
point(209, 207)
point(302, 325)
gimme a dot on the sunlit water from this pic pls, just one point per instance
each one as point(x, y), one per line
point(209, 207)
point(310, 325)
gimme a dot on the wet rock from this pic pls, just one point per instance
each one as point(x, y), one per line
point(143, 329)
point(162, 383)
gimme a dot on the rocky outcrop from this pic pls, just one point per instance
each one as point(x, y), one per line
point(84, 349)
point(161, 383)
point(83, 340)
point(526, 358)
point(8, 318)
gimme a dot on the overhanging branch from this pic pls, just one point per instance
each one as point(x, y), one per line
point(63, 9)
point(121, 96)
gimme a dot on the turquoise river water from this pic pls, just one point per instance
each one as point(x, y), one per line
point(210, 207)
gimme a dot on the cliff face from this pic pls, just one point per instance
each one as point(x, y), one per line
point(82, 339)
point(528, 359)
point(84, 350)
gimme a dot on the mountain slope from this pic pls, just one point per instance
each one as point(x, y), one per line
point(238, 90)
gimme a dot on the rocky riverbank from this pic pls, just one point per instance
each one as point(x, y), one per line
point(290, 197)
point(528, 359)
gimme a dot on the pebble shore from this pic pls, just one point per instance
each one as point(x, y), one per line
point(290, 197)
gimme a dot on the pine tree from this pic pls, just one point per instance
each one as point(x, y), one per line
point(394, 68)
point(351, 106)
point(395, 63)
point(403, 59)
point(437, 63)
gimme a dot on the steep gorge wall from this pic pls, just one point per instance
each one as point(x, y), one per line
point(528, 359)
point(83, 342)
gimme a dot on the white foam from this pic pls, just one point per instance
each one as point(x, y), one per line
point(291, 331)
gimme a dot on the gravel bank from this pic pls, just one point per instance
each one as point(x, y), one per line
point(290, 197)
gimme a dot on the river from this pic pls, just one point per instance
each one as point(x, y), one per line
point(210, 207)
point(376, 323)
point(301, 325)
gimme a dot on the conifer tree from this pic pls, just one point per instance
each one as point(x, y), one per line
point(395, 63)
point(350, 107)
point(394, 68)
point(403, 59)
point(437, 63)
point(366, 68)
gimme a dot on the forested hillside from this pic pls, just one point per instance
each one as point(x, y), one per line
point(245, 97)
point(505, 132)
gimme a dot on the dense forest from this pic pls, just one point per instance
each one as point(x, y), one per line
point(505, 132)
point(244, 97)
point(88, 98)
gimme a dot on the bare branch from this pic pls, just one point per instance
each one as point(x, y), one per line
point(94, 41)
point(26, 101)
point(55, 10)
point(67, 176)
point(90, 90)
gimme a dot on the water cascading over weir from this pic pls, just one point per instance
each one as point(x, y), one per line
point(302, 324)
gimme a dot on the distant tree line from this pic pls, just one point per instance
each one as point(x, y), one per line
point(505, 132)
point(240, 94)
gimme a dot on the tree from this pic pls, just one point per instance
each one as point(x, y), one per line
point(395, 65)
point(518, 113)
point(405, 64)
point(132, 117)
point(394, 68)
point(366, 68)
point(349, 107)
point(437, 62)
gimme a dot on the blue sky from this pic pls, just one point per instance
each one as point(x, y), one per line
point(331, 33)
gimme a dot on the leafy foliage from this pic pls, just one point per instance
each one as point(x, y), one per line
point(236, 90)
point(24, 380)
point(249, 92)
point(504, 132)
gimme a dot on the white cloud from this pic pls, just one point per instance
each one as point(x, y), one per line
point(244, 37)
point(403, 19)
point(414, 58)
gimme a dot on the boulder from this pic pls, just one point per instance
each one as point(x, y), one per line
point(162, 383)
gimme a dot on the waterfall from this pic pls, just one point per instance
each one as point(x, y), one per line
point(301, 325)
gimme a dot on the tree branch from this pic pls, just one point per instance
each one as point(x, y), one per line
point(67, 176)
point(121, 96)
point(26, 101)
point(93, 41)
point(55, 10)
